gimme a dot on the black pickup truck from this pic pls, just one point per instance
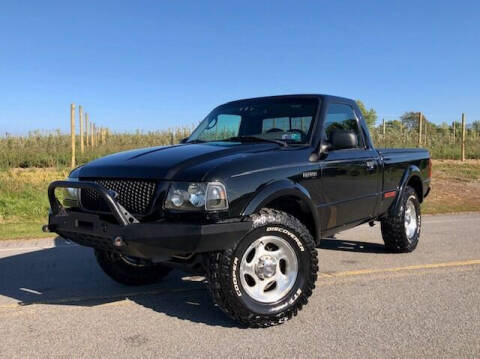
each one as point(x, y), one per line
point(245, 200)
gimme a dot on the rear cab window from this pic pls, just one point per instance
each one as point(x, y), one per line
point(287, 123)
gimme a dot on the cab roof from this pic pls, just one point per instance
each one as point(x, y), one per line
point(323, 97)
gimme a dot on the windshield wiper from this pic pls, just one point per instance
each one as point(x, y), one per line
point(196, 141)
point(255, 139)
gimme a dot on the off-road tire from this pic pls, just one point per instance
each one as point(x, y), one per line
point(222, 269)
point(393, 227)
point(123, 272)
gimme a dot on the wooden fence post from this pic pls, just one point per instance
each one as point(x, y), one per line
point(92, 143)
point(463, 137)
point(425, 132)
point(72, 132)
point(454, 132)
point(86, 130)
point(420, 118)
point(80, 120)
point(402, 137)
point(384, 134)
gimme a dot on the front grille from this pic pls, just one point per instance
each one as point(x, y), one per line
point(135, 195)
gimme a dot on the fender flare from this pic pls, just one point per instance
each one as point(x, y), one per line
point(410, 172)
point(284, 188)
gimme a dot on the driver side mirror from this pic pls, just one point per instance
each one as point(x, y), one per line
point(184, 140)
point(343, 139)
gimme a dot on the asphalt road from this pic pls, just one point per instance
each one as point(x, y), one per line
point(55, 302)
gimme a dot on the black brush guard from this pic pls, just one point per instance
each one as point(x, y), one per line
point(154, 240)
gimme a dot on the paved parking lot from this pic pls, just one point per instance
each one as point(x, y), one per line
point(55, 302)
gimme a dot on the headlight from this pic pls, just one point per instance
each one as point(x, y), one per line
point(210, 196)
point(71, 196)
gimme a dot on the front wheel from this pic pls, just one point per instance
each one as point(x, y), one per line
point(269, 275)
point(401, 230)
point(130, 270)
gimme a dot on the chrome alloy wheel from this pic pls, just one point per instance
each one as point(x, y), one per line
point(410, 219)
point(268, 269)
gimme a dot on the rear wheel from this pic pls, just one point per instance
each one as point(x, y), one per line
point(401, 230)
point(269, 275)
point(130, 270)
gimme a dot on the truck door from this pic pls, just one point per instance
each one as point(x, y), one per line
point(349, 177)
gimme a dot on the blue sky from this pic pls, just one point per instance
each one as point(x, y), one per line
point(157, 64)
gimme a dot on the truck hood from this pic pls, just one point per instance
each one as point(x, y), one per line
point(168, 162)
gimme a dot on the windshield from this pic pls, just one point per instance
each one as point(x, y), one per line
point(286, 119)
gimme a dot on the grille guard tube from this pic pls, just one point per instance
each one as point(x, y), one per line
point(120, 214)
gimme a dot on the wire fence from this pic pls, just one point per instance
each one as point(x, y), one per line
point(87, 141)
point(444, 140)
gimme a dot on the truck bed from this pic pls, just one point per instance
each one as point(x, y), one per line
point(396, 162)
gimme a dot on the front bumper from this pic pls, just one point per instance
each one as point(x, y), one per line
point(154, 240)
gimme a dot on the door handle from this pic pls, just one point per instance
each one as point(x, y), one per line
point(370, 165)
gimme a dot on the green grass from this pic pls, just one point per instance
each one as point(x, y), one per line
point(23, 192)
point(457, 170)
point(24, 230)
point(456, 187)
point(24, 202)
point(430, 207)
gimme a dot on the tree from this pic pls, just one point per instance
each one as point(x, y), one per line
point(410, 119)
point(394, 125)
point(370, 115)
point(476, 126)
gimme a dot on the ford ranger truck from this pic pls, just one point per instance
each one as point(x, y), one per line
point(245, 201)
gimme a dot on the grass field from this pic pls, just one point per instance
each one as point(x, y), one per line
point(456, 187)
point(23, 200)
point(24, 204)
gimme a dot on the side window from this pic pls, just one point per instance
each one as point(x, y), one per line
point(221, 127)
point(341, 117)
